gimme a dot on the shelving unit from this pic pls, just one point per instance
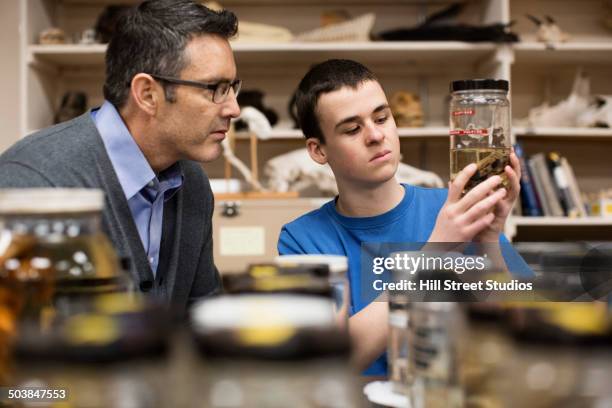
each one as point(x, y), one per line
point(537, 72)
point(50, 70)
point(545, 73)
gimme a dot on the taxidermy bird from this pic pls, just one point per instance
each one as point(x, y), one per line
point(548, 30)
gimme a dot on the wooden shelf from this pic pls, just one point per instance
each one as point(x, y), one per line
point(564, 132)
point(67, 55)
point(437, 132)
point(546, 223)
point(406, 53)
point(231, 3)
point(400, 52)
point(560, 221)
point(591, 51)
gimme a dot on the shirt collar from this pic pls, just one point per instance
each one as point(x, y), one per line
point(168, 181)
point(132, 168)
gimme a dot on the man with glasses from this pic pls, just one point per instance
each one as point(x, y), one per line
point(170, 93)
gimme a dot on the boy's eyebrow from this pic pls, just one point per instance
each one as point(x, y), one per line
point(355, 117)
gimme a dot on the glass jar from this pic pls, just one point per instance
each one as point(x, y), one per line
point(480, 129)
point(300, 275)
point(338, 280)
point(271, 350)
point(112, 353)
point(436, 329)
point(52, 251)
point(272, 278)
point(398, 343)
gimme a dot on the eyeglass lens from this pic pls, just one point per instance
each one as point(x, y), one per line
point(223, 90)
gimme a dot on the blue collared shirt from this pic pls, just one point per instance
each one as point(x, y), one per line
point(145, 191)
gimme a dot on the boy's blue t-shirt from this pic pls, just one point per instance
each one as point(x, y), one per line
point(325, 231)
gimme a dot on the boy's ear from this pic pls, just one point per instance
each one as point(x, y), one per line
point(316, 150)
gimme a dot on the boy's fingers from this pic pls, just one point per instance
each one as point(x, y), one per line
point(515, 182)
point(484, 206)
point(458, 184)
point(516, 164)
point(480, 224)
point(478, 193)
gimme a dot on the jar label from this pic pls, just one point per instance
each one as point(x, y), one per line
point(461, 132)
point(464, 112)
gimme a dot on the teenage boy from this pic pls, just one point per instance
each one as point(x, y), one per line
point(346, 119)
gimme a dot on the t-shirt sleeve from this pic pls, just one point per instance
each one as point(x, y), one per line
point(287, 243)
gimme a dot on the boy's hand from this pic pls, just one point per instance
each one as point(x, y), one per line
point(463, 218)
point(503, 208)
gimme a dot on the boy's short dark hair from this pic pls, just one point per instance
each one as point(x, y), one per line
point(328, 76)
point(152, 37)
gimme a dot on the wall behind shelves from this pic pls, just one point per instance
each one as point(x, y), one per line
point(534, 84)
point(9, 73)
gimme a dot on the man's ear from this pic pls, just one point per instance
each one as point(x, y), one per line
point(146, 93)
point(316, 150)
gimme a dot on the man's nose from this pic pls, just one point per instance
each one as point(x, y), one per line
point(231, 108)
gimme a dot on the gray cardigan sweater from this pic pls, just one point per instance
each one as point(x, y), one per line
point(72, 154)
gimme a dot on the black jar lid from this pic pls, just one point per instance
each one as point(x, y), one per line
point(473, 84)
point(104, 329)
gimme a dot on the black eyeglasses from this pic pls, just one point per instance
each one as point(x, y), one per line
point(220, 89)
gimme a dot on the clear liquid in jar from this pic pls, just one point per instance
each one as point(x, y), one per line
point(491, 161)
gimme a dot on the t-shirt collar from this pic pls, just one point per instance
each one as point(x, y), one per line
point(375, 221)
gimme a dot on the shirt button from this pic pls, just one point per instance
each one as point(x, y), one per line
point(151, 184)
point(151, 260)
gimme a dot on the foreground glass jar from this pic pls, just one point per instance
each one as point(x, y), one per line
point(338, 280)
point(271, 350)
point(480, 129)
point(398, 344)
point(112, 353)
point(52, 251)
point(545, 354)
point(54, 236)
point(436, 329)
